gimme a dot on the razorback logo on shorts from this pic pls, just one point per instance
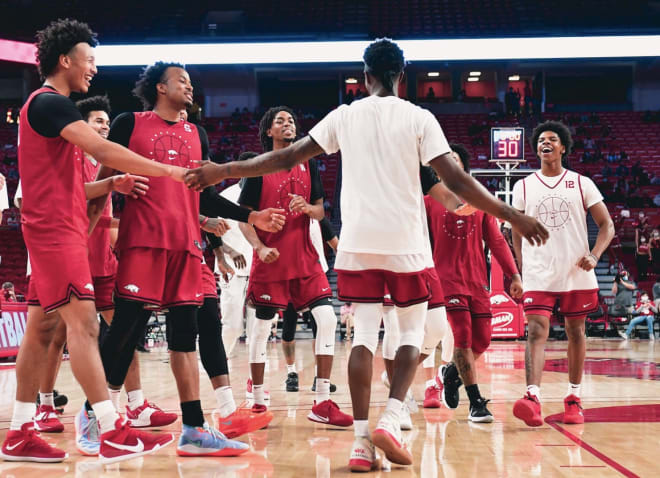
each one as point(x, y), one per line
point(454, 301)
point(89, 286)
point(132, 288)
point(529, 300)
point(499, 299)
point(265, 297)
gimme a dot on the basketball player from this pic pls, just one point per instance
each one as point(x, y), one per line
point(384, 139)
point(52, 137)
point(103, 264)
point(465, 282)
point(562, 270)
point(160, 252)
point(286, 267)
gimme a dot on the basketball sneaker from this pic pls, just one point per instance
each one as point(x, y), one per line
point(207, 441)
point(250, 396)
point(479, 413)
point(328, 412)
point(125, 443)
point(46, 420)
point(573, 410)
point(243, 421)
point(259, 408)
point(450, 385)
point(87, 432)
point(149, 415)
point(432, 395)
point(26, 445)
point(363, 455)
point(333, 387)
point(405, 421)
point(387, 437)
point(292, 382)
point(528, 409)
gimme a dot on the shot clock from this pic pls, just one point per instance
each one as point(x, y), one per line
point(507, 144)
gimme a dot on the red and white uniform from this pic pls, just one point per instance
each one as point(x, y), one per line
point(159, 240)
point(102, 261)
point(382, 243)
point(550, 271)
point(54, 215)
point(296, 276)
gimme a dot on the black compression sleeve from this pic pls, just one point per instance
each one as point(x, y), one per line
point(204, 141)
point(50, 113)
point(122, 129)
point(326, 230)
point(428, 178)
point(317, 186)
point(214, 205)
point(251, 192)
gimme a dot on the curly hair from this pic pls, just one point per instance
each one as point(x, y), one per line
point(463, 153)
point(145, 86)
point(266, 123)
point(384, 60)
point(94, 103)
point(58, 38)
point(562, 131)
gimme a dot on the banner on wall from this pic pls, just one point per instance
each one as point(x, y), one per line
point(12, 327)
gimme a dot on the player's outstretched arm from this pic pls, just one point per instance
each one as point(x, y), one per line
point(210, 173)
point(605, 234)
point(114, 155)
point(466, 187)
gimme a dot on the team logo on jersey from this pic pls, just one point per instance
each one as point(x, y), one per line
point(197, 244)
point(170, 147)
point(187, 128)
point(265, 297)
point(499, 299)
point(553, 211)
point(290, 185)
point(132, 288)
point(459, 227)
point(89, 286)
point(528, 300)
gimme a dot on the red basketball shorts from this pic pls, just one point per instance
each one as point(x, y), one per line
point(371, 286)
point(104, 288)
point(209, 288)
point(301, 292)
point(575, 304)
point(470, 317)
point(159, 277)
point(58, 273)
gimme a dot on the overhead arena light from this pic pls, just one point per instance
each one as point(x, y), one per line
point(351, 51)
point(473, 78)
point(351, 81)
point(433, 74)
point(475, 73)
point(514, 78)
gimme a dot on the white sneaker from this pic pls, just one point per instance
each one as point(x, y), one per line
point(405, 422)
point(363, 455)
point(387, 437)
point(411, 402)
point(623, 335)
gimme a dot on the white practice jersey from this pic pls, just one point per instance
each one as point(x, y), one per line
point(317, 241)
point(560, 203)
point(234, 237)
point(382, 140)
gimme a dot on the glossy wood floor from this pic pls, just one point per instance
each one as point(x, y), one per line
point(621, 437)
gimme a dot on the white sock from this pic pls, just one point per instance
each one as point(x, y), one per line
point(115, 397)
point(225, 399)
point(322, 389)
point(106, 414)
point(573, 389)
point(535, 391)
point(430, 383)
point(23, 413)
point(258, 391)
point(394, 407)
point(47, 399)
point(361, 428)
point(135, 399)
point(291, 368)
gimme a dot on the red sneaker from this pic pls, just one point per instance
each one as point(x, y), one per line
point(26, 445)
point(258, 408)
point(46, 420)
point(528, 409)
point(243, 421)
point(573, 410)
point(432, 397)
point(124, 443)
point(149, 415)
point(328, 412)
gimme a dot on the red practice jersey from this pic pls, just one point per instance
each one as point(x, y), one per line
point(167, 217)
point(458, 249)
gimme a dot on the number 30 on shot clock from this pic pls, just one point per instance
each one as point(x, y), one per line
point(507, 144)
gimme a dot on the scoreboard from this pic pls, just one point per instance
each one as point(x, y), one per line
point(507, 144)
